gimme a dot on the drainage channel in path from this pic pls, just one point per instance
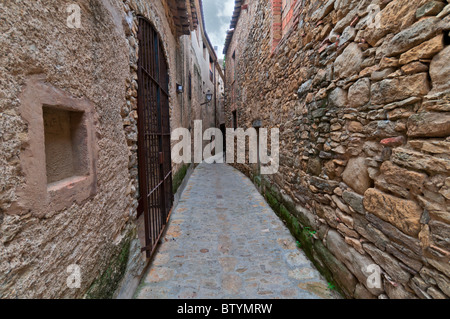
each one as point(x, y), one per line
point(224, 241)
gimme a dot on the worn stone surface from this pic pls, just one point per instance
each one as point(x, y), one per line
point(398, 238)
point(349, 62)
point(396, 16)
point(436, 278)
point(440, 70)
point(340, 272)
point(441, 233)
point(444, 11)
point(359, 93)
point(414, 67)
point(362, 293)
point(432, 8)
point(417, 33)
point(404, 214)
point(338, 97)
point(354, 261)
point(390, 264)
point(369, 232)
point(341, 84)
point(356, 175)
point(420, 161)
point(396, 89)
point(425, 50)
point(431, 146)
point(436, 293)
point(397, 291)
point(396, 175)
point(229, 249)
point(355, 201)
point(429, 125)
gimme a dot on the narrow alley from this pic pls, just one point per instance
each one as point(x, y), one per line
point(224, 241)
point(334, 116)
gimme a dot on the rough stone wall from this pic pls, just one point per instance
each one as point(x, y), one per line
point(362, 104)
point(96, 65)
point(201, 61)
point(220, 98)
point(198, 67)
point(88, 63)
point(235, 48)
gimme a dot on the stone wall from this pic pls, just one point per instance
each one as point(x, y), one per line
point(360, 92)
point(88, 64)
point(85, 221)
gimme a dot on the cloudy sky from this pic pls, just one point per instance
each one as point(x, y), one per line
point(217, 19)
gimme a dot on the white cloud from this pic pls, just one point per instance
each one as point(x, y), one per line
point(227, 8)
point(218, 15)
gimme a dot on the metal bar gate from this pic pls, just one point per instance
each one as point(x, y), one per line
point(154, 154)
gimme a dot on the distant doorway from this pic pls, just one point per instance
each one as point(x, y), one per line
point(224, 132)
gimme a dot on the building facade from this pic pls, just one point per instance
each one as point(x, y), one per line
point(360, 93)
point(89, 95)
point(203, 75)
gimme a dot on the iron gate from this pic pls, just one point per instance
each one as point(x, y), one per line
point(154, 155)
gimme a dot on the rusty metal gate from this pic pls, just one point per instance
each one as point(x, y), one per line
point(154, 154)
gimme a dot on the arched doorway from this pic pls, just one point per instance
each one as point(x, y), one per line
point(154, 154)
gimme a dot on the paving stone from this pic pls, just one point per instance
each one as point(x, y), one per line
point(229, 246)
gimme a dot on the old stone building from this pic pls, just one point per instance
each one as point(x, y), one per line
point(90, 92)
point(360, 91)
point(203, 75)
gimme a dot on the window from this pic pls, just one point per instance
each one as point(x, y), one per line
point(235, 126)
point(233, 93)
point(190, 86)
point(211, 73)
point(234, 66)
point(205, 52)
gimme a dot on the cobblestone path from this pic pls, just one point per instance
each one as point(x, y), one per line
point(224, 241)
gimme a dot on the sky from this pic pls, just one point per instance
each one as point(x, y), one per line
point(217, 20)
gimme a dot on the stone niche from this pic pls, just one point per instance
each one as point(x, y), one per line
point(59, 157)
point(65, 144)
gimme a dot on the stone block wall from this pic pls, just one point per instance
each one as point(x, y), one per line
point(360, 91)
